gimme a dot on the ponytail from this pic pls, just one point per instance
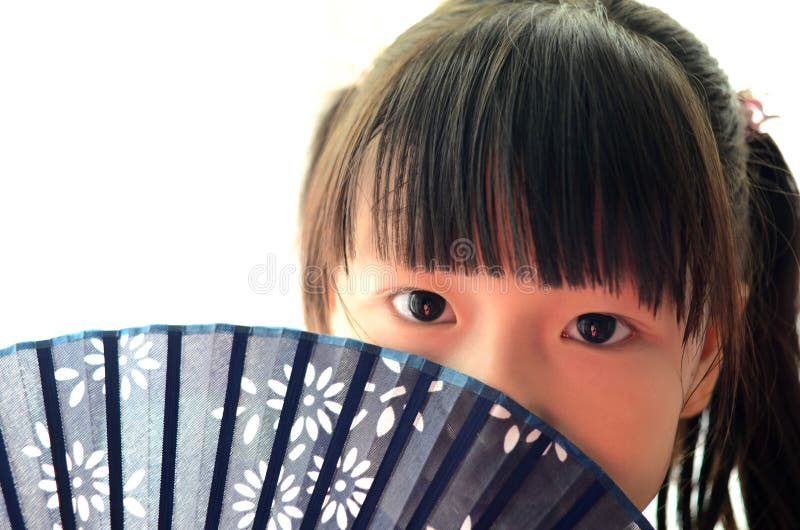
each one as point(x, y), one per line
point(761, 439)
point(767, 419)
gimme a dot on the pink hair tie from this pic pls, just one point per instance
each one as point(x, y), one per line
point(753, 112)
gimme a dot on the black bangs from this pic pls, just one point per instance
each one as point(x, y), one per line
point(558, 142)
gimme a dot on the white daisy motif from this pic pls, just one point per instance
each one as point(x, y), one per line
point(513, 433)
point(345, 494)
point(311, 413)
point(88, 479)
point(388, 416)
point(253, 422)
point(133, 358)
point(561, 453)
point(251, 489)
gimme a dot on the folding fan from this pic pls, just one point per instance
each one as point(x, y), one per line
point(223, 426)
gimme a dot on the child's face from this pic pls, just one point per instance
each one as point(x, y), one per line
point(619, 400)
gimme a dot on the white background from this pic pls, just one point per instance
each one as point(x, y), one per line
point(151, 152)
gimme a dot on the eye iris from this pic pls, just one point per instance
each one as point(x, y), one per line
point(596, 328)
point(425, 306)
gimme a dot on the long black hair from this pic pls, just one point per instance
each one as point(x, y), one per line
point(537, 118)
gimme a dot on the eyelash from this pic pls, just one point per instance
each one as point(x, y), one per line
point(564, 334)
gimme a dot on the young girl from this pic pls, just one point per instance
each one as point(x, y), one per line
point(566, 201)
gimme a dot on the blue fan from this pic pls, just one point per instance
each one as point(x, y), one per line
point(223, 426)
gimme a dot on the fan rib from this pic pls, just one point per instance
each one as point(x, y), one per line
point(166, 503)
point(58, 448)
point(13, 508)
point(513, 483)
point(302, 356)
point(113, 428)
point(232, 391)
point(478, 414)
point(396, 445)
point(581, 507)
point(366, 362)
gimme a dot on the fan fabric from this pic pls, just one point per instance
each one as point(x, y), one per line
point(224, 426)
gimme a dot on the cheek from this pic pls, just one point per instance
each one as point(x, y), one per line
point(623, 415)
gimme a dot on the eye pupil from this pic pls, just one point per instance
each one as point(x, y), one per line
point(596, 328)
point(425, 306)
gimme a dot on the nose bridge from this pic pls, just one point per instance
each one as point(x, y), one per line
point(506, 354)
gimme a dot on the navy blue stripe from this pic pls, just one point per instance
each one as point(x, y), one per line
point(291, 401)
point(584, 504)
point(113, 428)
point(169, 443)
point(235, 370)
point(58, 449)
point(643, 523)
point(9, 489)
point(454, 456)
point(355, 391)
point(394, 450)
point(513, 483)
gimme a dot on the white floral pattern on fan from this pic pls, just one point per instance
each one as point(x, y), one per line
point(133, 358)
point(89, 471)
point(349, 491)
point(318, 390)
point(251, 491)
point(513, 434)
point(388, 415)
point(308, 416)
point(499, 439)
point(304, 419)
point(253, 422)
point(309, 419)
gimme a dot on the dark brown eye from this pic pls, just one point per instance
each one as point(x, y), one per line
point(425, 306)
point(422, 306)
point(598, 328)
